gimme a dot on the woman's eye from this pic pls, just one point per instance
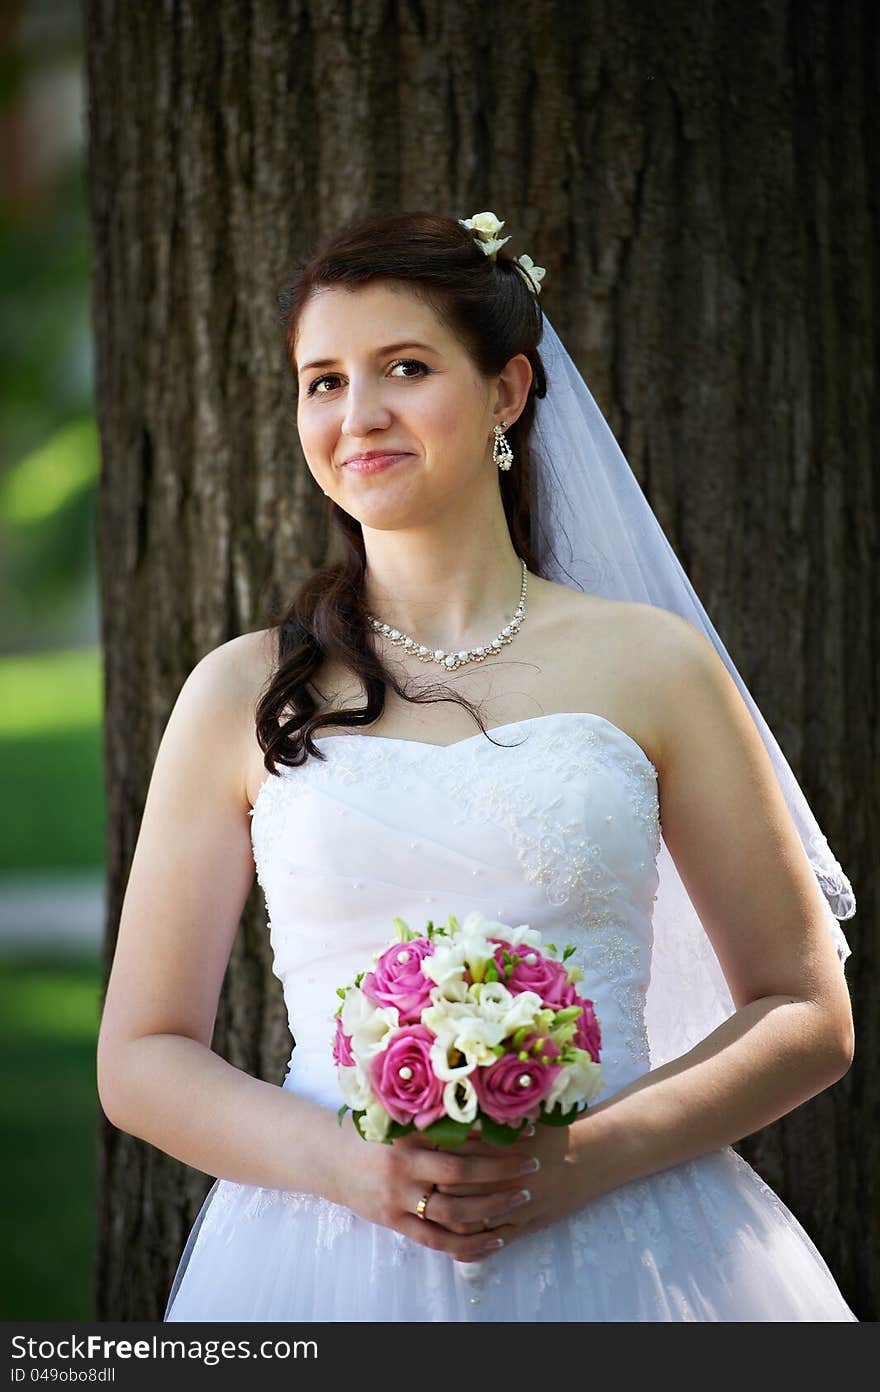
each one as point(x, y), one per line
point(401, 362)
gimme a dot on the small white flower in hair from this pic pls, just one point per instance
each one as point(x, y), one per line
point(537, 273)
point(485, 227)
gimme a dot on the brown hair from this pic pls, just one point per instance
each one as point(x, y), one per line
point(493, 311)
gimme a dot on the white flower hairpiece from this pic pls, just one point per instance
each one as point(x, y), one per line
point(485, 228)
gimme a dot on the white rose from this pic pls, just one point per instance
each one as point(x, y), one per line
point(486, 224)
point(354, 1084)
point(575, 1083)
point(375, 1122)
point(369, 1025)
point(493, 998)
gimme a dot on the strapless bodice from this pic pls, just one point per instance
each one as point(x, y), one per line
point(557, 826)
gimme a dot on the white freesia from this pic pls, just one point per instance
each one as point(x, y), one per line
point(446, 964)
point(523, 1010)
point(517, 937)
point(354, 1084)
point(469, 947)
point(375, 1122)
point(576, 1082)
point(444, 1070)
point(460, 1100)
point(370, 1025)
point(464, 1034)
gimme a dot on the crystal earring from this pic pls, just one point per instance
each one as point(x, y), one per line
point(501, 451)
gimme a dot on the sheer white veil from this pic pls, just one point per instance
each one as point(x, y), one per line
point(593, 528)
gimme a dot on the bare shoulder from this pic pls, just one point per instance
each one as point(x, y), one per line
point(223, 690)
point(641, 655)
point(235, 665)
point(678, 674)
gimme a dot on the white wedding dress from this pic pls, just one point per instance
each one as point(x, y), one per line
point(556, 826)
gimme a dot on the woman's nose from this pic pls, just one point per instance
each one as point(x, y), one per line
point(364, 410)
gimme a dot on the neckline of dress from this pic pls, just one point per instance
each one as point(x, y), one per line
point(469, 739)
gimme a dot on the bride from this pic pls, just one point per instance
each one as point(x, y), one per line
point(619, 787)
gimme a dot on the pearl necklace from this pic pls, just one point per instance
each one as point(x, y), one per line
point(458, 659)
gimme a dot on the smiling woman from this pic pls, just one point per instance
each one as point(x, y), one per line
point(633, 804)
point(425, 424)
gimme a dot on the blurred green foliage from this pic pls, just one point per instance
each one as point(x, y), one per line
point(50, 684)
point(49, 1017)
point(51, 760)
point(48, 444)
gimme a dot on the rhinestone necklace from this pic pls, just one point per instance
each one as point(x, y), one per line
point(458, 659)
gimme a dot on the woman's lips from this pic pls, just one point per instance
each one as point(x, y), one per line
point(374, 465)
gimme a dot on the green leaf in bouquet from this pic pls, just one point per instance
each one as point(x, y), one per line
point(569, 949)
point(452, 923)
point(403, 931)
point(448, 1132)
point(494, 1133)
point(341, 1113)
point(551, 947)
point(397, 1128)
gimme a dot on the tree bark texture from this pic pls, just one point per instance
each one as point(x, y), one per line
point(701, 182)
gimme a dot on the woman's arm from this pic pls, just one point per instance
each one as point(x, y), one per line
point(191, 873)
point(765, 1060)
point(728, 828)
point(179, 1095)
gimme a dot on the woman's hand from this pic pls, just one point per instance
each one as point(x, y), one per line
point(476, 1188)
point(560, 1185)
point(477, 1185)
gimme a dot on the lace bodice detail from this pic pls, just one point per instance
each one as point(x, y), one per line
point(556, 825)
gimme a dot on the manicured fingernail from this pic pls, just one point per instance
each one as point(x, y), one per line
point(493, 1243)
point(528, 1166)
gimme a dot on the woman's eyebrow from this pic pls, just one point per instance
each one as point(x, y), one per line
point(380, 352)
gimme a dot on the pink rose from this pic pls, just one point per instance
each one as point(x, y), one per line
point(509, 1089)
point(342, 1046)
point(404, 1080)
point(397, 979)
point(544, 976)
point(588, 1035)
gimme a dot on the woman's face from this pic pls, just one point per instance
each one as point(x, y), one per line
point(391, 377)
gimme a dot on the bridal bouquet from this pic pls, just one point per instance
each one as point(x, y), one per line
point(471, 1024)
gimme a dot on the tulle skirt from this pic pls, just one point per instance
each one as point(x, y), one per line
point(704, 1240)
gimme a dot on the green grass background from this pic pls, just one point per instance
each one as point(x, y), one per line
point(52, 780)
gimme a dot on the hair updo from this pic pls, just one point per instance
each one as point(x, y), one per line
point(489, 306)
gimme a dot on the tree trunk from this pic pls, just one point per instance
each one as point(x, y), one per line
point(703, 192)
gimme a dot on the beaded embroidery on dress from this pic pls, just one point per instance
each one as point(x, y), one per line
point(557, 824)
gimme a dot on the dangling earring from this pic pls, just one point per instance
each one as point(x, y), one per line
point(501, 451)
